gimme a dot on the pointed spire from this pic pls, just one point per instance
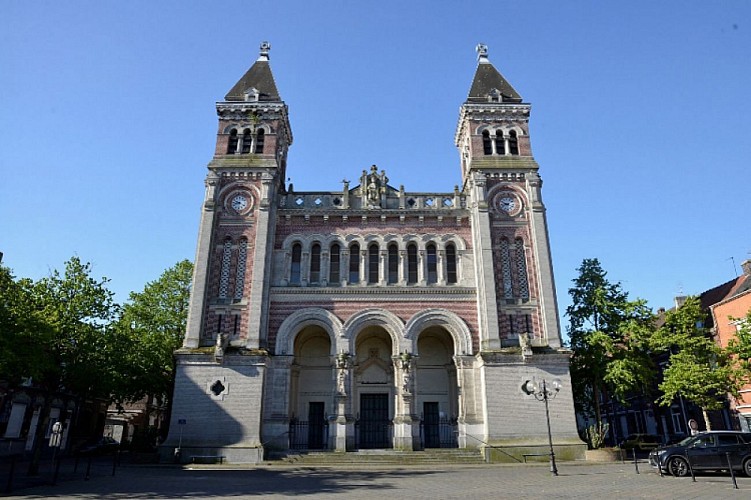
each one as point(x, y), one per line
point(488, 84)
point(257, 84)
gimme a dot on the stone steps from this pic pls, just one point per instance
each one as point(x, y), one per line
point(380, 457)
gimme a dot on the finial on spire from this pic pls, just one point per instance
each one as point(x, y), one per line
point(265, 48)
point(482, 53)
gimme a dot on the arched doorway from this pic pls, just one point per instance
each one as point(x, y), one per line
point(311, 389)
point(373, 389)
point(436, 398)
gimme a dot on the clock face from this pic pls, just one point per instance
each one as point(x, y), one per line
point(507, 203)
point(239, 203)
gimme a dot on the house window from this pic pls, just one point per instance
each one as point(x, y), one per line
point(487, 148)
point(393, 263)
point(411, 264)
point(373, 264)
point(450, 263)
point(260, 136)
point(354, 264)
point(294, 274)
point(246, 141)
point(432, 264)
point(315, 263)
point(224, 273)
point(232, 142)
point(334, 263)
point(500, 147)
point(513, 143)
point(521, 269)
point(242, 256)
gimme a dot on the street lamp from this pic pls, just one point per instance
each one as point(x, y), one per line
point(541, 392)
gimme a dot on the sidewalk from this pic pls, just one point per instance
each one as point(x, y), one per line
point(575, 480)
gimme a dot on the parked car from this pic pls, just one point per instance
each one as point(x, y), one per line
point(102, 446)
point(706, 451)
point(642, 442)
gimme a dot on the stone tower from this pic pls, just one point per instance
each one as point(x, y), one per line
point(370, 316)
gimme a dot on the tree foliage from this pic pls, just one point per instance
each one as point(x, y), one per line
point(609, 339)
point(698, 369)
point(740, 348)
point(151, 327)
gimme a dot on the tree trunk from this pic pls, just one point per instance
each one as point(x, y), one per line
point(705, 414)
point(596, 397)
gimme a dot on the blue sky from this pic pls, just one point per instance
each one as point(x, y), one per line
point(640, 122)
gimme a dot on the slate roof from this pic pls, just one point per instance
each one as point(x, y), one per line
point(259, 77)
point(488, 78)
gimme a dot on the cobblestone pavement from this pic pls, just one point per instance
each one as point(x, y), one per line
point(576, 480)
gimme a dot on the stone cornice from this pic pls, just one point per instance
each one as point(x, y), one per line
point(371, 293)
point(491, 112)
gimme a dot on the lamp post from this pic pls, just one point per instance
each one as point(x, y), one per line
point(541, 392)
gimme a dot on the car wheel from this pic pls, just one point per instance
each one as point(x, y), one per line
point(678, 467)
point(747, 467)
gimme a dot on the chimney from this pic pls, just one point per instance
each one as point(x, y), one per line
point(746, 266)
point(680, 300)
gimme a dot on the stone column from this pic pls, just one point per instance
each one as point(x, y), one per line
point(406, 423)
point(341, 425)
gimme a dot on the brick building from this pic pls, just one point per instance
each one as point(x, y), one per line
point(730, 303)
point(370, 316)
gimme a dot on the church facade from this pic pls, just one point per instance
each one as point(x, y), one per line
point(371, 316)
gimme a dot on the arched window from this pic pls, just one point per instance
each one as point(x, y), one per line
point(260, 136)
point(224, 273)
point(521, 269)
point(513, 143)
point(500, 146)
point(242, 256)
point(508, 288)
point(315, 263)
point(411, 264)
point(246, 141)
point(393, 263)
point(334, 263)
point(450, 263)
point(432, 264)
point(354, 264)
point(232, 142)
point(373, 263)
point(294, 273)
point(486, 146)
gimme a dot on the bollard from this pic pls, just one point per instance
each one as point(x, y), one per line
point(690, 468)
point(9, 485)
point(732, 472)
point(623, 456)
point(56, 463)
point(88, 471)
point(636, 463)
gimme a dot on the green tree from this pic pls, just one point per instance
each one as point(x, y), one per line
point(698, 368)
point(151, 327)
point(609, 339)
point(75, 311)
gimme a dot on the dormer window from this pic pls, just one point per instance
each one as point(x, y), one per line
point(495, 96)
point(252, 95)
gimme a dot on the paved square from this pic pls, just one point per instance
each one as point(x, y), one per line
point(576, 480)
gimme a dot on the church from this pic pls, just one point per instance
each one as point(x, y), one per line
point(371, 316)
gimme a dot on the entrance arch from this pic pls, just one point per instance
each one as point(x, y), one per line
point(311, 375)
point(436, 398)
point(373, 388)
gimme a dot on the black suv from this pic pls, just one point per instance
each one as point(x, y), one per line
point(706, 451)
